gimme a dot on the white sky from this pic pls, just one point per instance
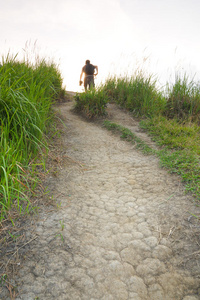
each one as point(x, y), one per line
point(120, 36)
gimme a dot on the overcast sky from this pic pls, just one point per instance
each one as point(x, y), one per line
point(120, 36)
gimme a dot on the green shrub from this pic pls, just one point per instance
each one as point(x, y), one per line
point(92, 103)
point(183, 100)
point(138, 94)
point(110, 88)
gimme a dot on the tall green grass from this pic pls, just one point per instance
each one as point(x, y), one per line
point(138, 94)
point(183, 99)
point(92, 103)
point(26, 95)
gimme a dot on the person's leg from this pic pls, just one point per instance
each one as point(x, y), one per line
point(85, 83)
point(91, 82)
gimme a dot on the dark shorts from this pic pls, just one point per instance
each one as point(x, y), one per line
point(88, 81)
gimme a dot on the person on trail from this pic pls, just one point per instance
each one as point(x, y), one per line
point(88, 70)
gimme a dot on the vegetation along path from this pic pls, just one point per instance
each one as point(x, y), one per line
point(124, 228)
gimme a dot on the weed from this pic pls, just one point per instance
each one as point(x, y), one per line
point(14, 237)
point(59, 205)
point(61, 236)
point(3, 279)
point(62, 225)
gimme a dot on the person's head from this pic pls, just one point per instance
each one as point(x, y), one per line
point(87, 62)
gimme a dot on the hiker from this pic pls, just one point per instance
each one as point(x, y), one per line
point(88, 70)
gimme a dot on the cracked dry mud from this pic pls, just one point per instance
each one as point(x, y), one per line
point(123, 230)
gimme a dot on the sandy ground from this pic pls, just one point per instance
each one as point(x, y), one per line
point(122, 228)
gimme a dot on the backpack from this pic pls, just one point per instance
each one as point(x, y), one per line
point(89, 69)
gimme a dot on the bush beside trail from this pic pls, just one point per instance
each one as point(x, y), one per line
point(26, 95)
point(183, 100)
point(92, 103)
point(138, 94)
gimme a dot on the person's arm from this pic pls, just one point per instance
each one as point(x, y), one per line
point(96, 67)
point(80, 81)
point(81, 75)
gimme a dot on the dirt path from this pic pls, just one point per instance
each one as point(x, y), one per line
point(123, 229)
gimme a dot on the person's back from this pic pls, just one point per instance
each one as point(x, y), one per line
point(89, 69)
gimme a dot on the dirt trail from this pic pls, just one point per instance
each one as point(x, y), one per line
point(123, 229)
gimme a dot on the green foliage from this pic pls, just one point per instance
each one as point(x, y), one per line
point(92, 103)
point(183, 100)
point(110, 88)
point(26, 95)
point(138, 94)
point(173, 134)
point(186, 164)
point(181, 153)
